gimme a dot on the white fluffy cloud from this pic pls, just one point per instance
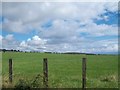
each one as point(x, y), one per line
point(9, 42)
point(9, 37)
point(22, 17)
point(105, 46)
point(100, 30)
point(1, 41)
point(14, 26)
point(35, 43)
point(36, 40)
point(68, 21)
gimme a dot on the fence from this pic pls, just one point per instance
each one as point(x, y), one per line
point(45, 72)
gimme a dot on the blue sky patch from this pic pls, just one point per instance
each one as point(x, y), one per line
point(19, 36)
point(112, 19)
point(47, 24)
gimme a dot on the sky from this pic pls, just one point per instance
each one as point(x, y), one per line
point(86, 27)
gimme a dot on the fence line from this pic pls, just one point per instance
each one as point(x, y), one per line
point(45, 72)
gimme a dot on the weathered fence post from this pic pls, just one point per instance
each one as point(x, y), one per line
point(83, 73)
point(45, 72)
point(10, 70)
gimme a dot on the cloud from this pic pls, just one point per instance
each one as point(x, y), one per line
point(9, 42)
point(95, 30)
point(15, 26)
point(36, 40)
point(103, 46)
point(71, 26)
point(9, 37)
point(83, 45)
point(60, 29)
point(1, 41)
point(1, 37)
point(27, 16)
point(35, 43)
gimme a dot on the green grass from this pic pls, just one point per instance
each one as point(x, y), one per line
point(64, 69)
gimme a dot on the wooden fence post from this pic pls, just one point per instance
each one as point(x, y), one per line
point(83, 73)
point(45, 72)
point(10, 70)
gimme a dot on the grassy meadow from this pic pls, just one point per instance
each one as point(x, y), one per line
point(65, 70)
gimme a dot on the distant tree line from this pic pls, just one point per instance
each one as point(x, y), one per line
point(80, 53)
point(12, 50)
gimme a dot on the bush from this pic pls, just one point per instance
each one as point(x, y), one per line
point(22, 85)
point(108, 78)
point(29, 84)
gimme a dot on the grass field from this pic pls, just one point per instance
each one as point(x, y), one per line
point(64, 69)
